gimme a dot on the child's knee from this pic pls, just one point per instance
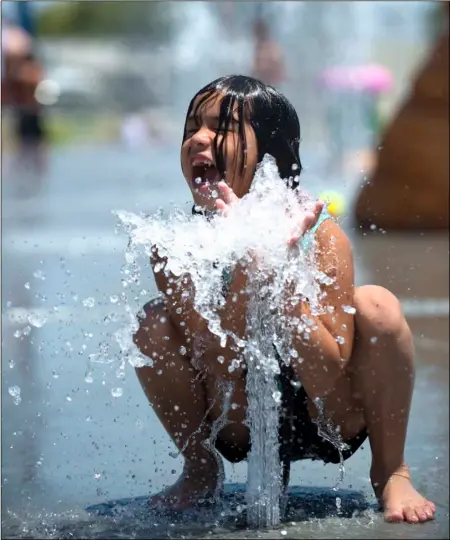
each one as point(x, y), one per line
point(379, 313)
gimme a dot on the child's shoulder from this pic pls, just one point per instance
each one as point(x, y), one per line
point(332, 245)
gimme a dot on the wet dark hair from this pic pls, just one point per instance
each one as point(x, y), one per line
point(272, 117)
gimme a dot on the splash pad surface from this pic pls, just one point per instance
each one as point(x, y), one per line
point(59, 456)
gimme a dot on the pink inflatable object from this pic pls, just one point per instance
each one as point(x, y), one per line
point(371, 78)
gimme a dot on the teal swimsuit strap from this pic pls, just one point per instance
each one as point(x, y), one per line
point(307, 239)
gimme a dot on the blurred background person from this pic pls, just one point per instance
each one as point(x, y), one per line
point(22, 73)
point(268, 61)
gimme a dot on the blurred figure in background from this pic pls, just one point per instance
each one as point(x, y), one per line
point(21, 75)
point(268, 62)
point(134, 131)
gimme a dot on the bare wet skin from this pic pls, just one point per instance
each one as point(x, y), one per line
point(69, 444)
point(198, 484)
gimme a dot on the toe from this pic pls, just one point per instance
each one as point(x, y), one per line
point(421, 514)
point(411, 516)
point(393, 515)
point(429, 510)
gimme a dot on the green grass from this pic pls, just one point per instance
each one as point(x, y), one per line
point(65, 129)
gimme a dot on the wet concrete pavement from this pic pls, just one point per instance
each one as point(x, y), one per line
point(69, 443)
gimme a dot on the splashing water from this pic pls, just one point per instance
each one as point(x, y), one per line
point(15, 392)
point(259, 225)
point(327, 431)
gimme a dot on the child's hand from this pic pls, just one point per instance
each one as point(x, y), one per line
point(306, 223)
point(228, 197)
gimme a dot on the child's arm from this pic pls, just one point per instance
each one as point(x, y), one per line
point(326, 353)
point(181, 296)
point(180, 307)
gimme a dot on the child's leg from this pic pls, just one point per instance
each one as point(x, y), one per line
point(376, 394)
point(185, 403)
point(384, 375)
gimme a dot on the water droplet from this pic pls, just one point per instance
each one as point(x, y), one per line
point(293, 353)
point(17, 334)
point(338, 505)
point(120, 373)
point(27, 285)
point(169, 291)
point(214, 194)
point(340, 340)
point(68, 398)
point(182, 350)
point(55, 375)
point(89, 302)
point(116, 392)
point(39, 274)
point(373, 339)
point(277, 396)
point(11, 364)
point(198, 181)
point(176, 407)
point(221, 359)
point(349, 309)
point(114, 299)
point(89, 379)
point(26, 330)
point(14, 391)
point(37, 319)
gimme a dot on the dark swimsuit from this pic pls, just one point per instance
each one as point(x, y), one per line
point(298, 434)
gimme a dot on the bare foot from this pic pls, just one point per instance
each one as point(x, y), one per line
point(198, 483)
point(401, 501)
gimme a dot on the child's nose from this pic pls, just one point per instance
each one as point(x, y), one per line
point(202, 139)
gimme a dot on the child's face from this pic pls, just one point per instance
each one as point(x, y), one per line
point(198, 159)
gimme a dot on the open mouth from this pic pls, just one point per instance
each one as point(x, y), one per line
point(204, 174)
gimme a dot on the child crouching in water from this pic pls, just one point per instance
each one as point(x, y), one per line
point(364, 380)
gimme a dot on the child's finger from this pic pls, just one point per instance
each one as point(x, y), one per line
point(222, 206)
point(227, 193)
point(307, 223)
point(311, 218)
point(318, 209)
